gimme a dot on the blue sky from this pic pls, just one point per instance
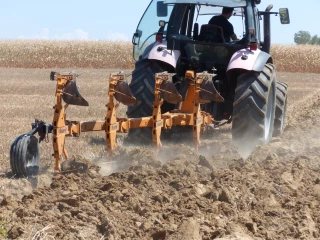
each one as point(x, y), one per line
point(117, 20)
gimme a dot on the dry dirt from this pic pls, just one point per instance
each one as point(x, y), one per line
point(180, 194)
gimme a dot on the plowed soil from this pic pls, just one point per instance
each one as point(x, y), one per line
point(179, 194)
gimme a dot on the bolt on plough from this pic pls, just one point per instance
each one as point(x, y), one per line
point(25, 152)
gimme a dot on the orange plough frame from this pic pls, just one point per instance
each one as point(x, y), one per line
point(188, 112)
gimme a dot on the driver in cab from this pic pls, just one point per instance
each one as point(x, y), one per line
point(222, 21)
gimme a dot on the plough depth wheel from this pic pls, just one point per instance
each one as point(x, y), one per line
point(25, 156)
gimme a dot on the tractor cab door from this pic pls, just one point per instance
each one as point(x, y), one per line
point(149, 26)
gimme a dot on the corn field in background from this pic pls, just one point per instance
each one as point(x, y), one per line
point(107, 54)
point(65, 54)
point(296, 58)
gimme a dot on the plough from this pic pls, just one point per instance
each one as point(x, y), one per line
point(25, 153)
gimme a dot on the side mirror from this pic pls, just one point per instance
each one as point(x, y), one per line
point(284, 16)
point(162, 9)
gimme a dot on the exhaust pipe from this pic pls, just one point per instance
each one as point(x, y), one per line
point(266, 28)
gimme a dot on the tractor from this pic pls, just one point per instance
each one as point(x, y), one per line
point(174, 36)
point(186, 75)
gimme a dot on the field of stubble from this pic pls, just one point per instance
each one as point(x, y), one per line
point(180, 194)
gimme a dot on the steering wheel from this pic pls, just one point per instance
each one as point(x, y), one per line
point(239, 41)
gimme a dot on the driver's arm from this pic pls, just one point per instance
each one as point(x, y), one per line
point(234, 37)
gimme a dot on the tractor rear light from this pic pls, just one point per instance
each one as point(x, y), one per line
point(253, 46)
point(159, 37)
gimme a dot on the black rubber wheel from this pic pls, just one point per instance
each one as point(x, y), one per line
point(25, 156)
point(142, 86)
point(254, 109)
point(281, 108)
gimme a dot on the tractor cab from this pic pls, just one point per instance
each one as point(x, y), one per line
point(180, 29)
point(183, 26)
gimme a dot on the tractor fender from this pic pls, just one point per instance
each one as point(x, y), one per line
point(158, 51)
point(249, 60)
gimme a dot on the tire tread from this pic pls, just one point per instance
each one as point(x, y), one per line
point(249, 111)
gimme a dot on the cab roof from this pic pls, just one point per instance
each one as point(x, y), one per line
point(221, 3)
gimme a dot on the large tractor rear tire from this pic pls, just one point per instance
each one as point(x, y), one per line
point(25, 156)
point(142, 86)
point(254, 109)
point(281, 108)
